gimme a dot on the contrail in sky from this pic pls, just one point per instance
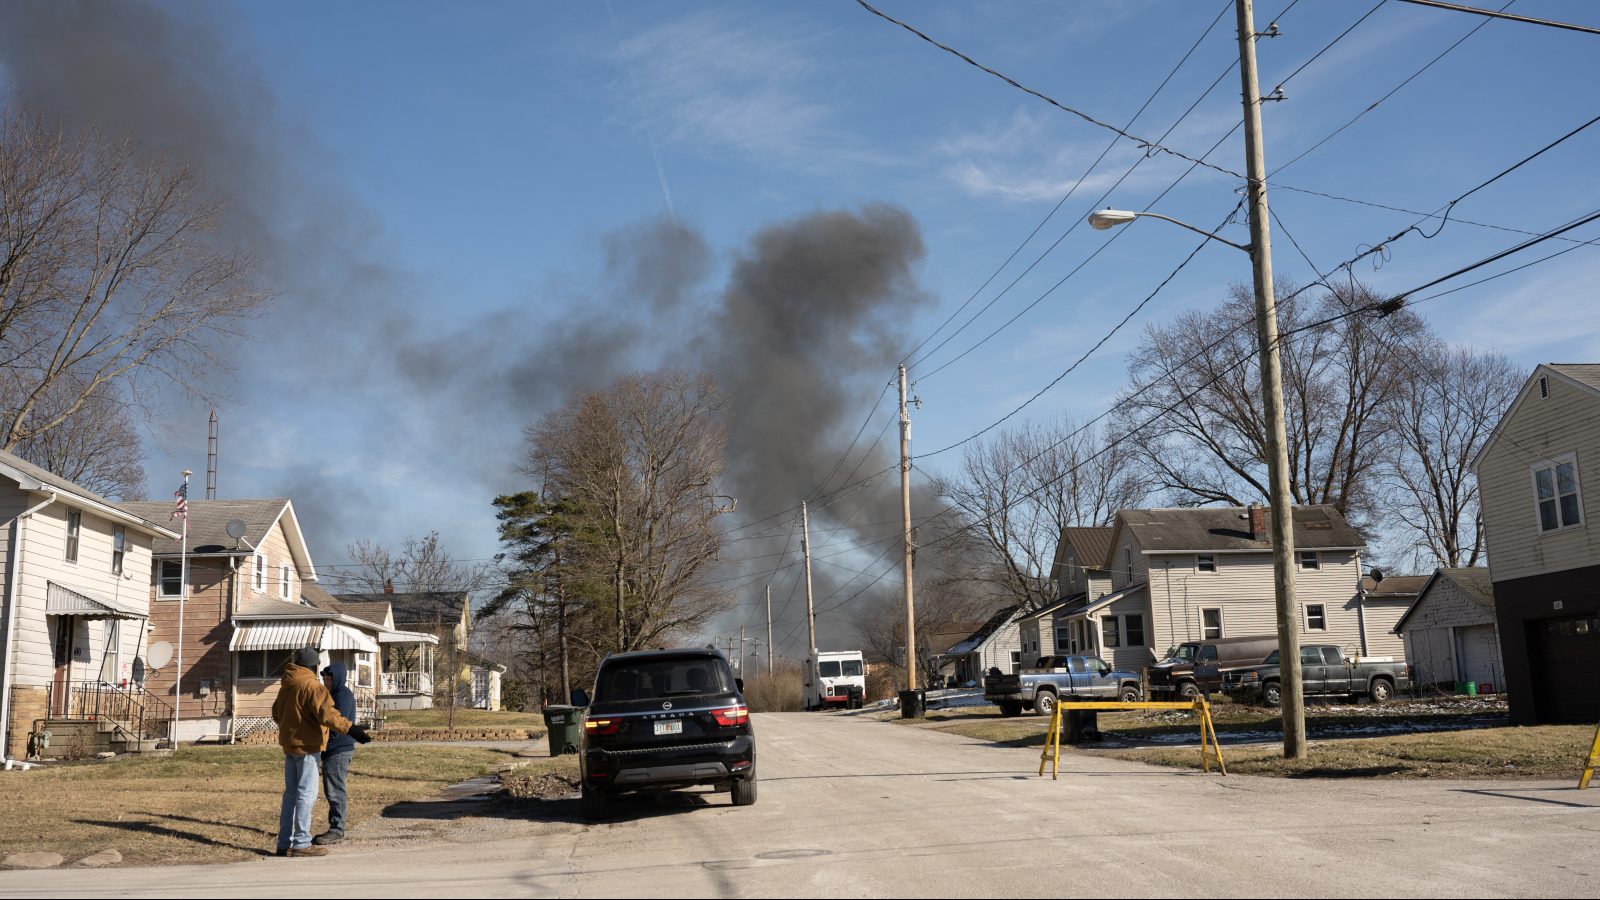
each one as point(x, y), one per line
point(644, 119)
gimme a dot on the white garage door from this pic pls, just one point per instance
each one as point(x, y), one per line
point(1480, 656)
point(1432, 653)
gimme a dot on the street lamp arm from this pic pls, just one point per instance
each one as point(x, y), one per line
point(1244, 247)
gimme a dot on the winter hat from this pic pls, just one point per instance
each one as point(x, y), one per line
point(308, 657)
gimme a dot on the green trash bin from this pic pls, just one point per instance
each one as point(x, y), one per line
point(1469, 688)
point(564, 727)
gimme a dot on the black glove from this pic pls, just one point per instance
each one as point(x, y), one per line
point(359, 733)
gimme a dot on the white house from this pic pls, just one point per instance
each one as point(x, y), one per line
point(76, 603)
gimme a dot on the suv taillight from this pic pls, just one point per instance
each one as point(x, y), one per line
point(733, 715)
point(602, 726)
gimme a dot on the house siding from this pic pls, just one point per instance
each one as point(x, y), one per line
point(1568, 421)
point(1522, 607)
point(207, 631)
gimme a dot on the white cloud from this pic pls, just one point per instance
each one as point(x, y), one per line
point(1534, 321)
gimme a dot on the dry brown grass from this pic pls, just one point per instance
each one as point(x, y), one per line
point(782, 691)
point(544, 779)
point(206, 804)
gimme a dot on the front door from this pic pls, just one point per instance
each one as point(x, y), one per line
point(60, 702)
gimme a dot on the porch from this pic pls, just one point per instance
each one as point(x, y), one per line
point(408, 660)
point(86, 718)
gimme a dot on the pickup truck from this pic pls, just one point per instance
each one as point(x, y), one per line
point(1063, 677)
point(1325, 671)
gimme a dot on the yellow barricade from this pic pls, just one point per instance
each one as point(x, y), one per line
point(1590, 763)
point(1210, 750)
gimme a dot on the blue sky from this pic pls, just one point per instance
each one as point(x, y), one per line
point(481, 157)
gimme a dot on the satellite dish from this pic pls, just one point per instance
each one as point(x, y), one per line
point(1377, 576)
point(160, 654)
point(236, 529)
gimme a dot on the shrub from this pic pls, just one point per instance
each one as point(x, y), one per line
point(782, 691)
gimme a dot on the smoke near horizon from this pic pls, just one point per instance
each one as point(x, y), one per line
point(801, 326)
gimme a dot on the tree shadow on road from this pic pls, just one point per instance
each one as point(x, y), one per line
point(147, 828)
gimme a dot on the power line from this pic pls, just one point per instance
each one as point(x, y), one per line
point(1528, 20)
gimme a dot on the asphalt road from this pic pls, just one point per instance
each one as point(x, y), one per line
point(851, 807)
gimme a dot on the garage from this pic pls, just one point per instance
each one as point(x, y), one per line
point(1565, 659)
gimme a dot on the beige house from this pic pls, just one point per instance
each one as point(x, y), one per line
point(1383, 604)
point(1450, 632)
point(1194, 574)
point(72, 627)
point(1537, 481)
point(1081, 576)
point(416, 672)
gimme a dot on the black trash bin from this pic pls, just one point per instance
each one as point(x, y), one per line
point(1082, 726)
point(564, 727)
point(913, 704)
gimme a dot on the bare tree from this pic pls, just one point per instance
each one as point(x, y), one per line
point(1193, 403)
point(1441, 419)
point(1018, 490)
point(641, 459)
point(110, 273)
point(97, 446)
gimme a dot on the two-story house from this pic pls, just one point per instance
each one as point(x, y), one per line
point(1193, 574)
point(75, 602)
point(1081, 576)
point(1544, 555)
point(446, 616)
point(249, 606)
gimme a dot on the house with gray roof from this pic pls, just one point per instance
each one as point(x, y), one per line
point(1539, 488)
point(1081, 575)
point(447, 617)
point(1450, 632)
point(73, 608)
point(1192, 574)
point(994, 645)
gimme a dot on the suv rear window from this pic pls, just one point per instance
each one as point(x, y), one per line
point(657, 679)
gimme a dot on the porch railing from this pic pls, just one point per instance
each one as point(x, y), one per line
point(139, 713)
point(408, 683)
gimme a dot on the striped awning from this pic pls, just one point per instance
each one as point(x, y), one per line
point(407, 637)
point(342, 637)
point(60, 601)
point(290, 635)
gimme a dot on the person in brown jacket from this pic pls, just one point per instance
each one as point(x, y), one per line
point(304, 712)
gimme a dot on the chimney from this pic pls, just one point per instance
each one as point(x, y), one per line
point(1258, 522)
point(388, 586)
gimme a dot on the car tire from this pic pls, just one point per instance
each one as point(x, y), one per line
point(744, 790)
point(1044, 703)
point(1010, 710)
point(594, 803)
point(1189, 692)
point(1272, 694)
point(1382, 691)
point(1130, 694)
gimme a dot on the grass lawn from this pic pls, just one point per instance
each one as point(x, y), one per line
point(465, 718)
point(206, 804)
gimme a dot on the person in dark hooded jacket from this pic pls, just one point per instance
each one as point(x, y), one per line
point(337, 757)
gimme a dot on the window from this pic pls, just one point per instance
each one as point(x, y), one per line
point(828, 668)
point(1110, 634)
point(851, 668)
point(1332, 656)
point(1063, 639)
point(1207, 654)
point(263, 663)
point(74, 528)
point(119, 548)
point(1316, 617)
point(171, 578)
point(1016, 661)
point(1127, 556)
point(1133, 631)
point(283, 581)
point(1310, 656)
point(258, 572)
point(1205, 562)
point(1211, 623)
point(1310, 559)
point(1076, 666)
point(1555, 491)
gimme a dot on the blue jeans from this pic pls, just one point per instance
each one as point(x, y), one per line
point(335, 769)
point(299, 796)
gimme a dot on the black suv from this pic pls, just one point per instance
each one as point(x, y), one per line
point(663, 719)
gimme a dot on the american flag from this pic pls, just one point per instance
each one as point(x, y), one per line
point(180, 509)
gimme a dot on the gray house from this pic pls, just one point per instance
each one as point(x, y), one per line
point(1450, 632)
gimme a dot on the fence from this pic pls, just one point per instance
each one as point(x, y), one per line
point(408, 683)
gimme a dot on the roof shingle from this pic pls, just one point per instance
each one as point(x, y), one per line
point(1226, 528)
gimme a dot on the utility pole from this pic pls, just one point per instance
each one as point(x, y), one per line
point(769, 630)
point(1282, 534)
point(811, 615)
point(741, 651)
point(905, 515)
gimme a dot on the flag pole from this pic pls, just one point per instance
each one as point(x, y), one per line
point(183, 596)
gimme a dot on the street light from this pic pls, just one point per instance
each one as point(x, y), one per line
point(1109, 218)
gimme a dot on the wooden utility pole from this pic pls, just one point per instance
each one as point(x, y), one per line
point(741, 651)
point(1282, 532)
point(905, 516)
point(811, 615)
point(770, 654)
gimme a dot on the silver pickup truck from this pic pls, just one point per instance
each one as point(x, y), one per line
point(1058, 677)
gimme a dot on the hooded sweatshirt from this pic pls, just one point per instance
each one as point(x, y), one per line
point(304, 712)
point(344, 700)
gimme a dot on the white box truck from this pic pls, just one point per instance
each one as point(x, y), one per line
point(840, 682)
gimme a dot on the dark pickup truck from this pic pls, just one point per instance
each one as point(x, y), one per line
point(1064, 677)
point(1325, 672)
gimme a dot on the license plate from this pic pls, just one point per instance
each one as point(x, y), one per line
point(673, 727)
